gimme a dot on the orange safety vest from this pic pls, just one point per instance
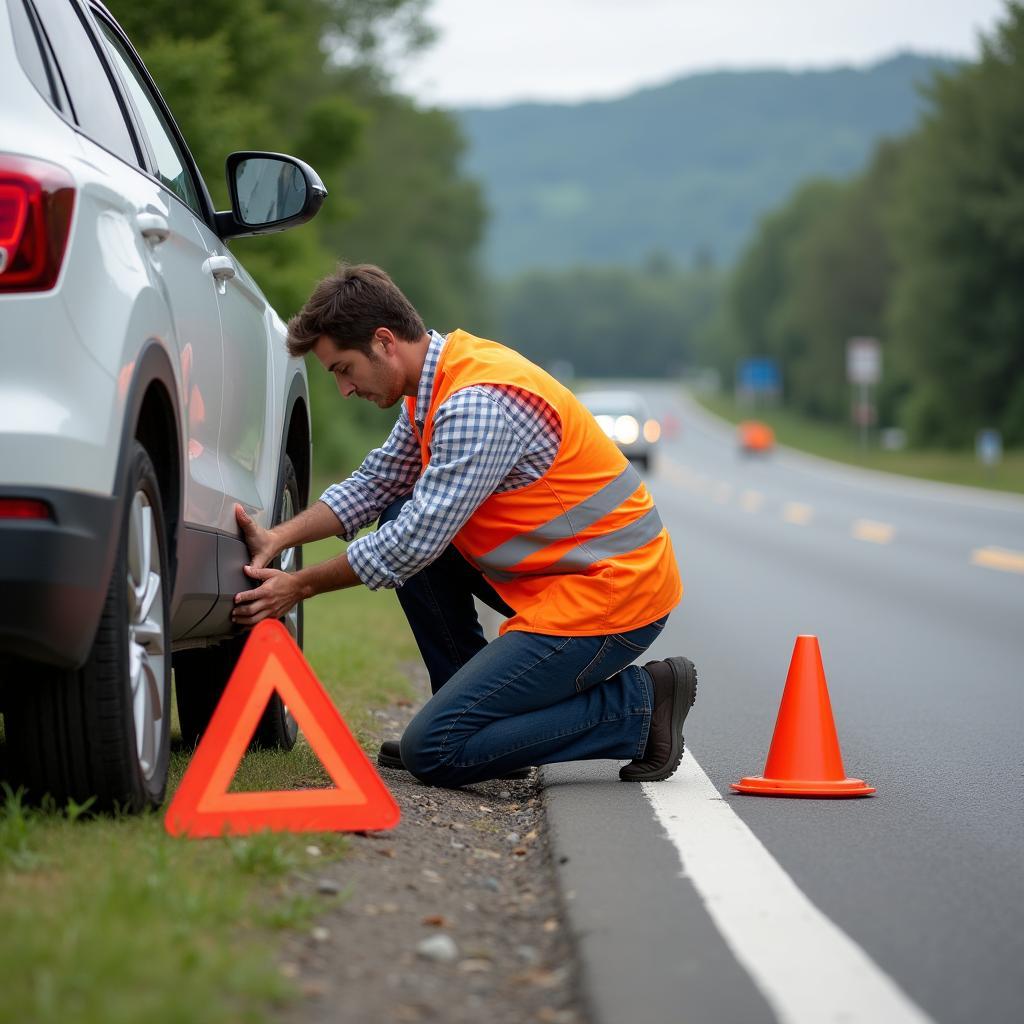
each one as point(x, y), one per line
point(579, 552)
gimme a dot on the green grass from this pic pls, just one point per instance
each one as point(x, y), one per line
point(841, 444)
point(112, 921)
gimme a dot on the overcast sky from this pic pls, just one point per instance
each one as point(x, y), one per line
point(500, 51)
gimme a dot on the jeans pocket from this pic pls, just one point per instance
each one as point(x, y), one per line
point(592, 673)
point(629, 644)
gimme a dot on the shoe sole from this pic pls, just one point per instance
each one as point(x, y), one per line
point(684, 695)
point(395, 763)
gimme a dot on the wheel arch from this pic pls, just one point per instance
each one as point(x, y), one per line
point(298, 437)
point(152, 418)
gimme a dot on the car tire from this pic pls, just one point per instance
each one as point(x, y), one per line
point(201, 674)
point(103, 731)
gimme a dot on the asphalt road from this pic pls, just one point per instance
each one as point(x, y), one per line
point(916, 593)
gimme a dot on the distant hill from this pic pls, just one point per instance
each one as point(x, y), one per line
point(685, 169)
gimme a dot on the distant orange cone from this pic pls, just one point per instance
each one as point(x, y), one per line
point(804, 757)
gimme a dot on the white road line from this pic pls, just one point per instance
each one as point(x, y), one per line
point(809, 971)
point(872, 531)
point(797, 513)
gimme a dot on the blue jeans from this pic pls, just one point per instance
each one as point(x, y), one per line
point(523, 699)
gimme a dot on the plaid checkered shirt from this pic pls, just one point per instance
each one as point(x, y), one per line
point(487, 439)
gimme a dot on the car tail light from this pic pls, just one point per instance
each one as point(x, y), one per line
point(24, 508)
point(36, 201)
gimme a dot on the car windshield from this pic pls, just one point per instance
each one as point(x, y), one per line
point(614, 403)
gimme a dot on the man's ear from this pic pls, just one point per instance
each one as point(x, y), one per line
point(385, 338)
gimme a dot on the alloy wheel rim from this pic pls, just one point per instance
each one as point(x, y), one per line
point(147, 642)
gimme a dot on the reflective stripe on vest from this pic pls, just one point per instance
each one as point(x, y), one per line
point(496, 563)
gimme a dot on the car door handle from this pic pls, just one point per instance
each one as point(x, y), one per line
point(222, 267)
point(153, 227)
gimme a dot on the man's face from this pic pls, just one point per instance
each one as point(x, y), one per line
point(377, 377)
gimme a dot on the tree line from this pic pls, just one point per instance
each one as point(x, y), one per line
point(924, 250)
point(311, 78)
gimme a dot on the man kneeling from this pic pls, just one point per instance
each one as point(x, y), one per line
point(495, 483)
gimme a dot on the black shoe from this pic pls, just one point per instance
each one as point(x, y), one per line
point(675, 690)
point(390, 756)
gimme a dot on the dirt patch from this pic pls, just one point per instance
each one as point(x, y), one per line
point(454, 916)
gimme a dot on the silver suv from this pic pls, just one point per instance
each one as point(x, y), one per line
point(145, 389)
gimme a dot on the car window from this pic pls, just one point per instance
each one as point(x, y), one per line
point(171, 164)
point(28, 46)
point(98, 110)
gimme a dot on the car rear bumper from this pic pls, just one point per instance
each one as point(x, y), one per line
point(54, 575)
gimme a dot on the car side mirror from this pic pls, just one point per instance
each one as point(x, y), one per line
point(269, 192)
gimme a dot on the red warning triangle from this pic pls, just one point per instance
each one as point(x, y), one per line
point(202, 806)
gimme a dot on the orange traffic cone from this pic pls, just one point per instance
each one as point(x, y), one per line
point(804, 758)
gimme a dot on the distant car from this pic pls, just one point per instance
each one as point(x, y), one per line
point(146, 388)
point(755, 437)
point(624, 417)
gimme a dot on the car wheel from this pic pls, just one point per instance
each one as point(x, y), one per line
point(103, 731)
point(201, 674)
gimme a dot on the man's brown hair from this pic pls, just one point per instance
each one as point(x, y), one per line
point(348, 306)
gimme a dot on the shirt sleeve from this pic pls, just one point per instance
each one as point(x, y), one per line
point(387, 473)
point(473, 448)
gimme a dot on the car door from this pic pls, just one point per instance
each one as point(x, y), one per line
point(245, 460)
point(234, 391)
point(174, 207)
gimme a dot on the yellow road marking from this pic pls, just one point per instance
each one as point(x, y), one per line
point(873, 532)
point(797, 513)
point(751, 501)
point(998, 558)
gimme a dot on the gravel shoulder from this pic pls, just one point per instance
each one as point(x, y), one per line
point(454, 916)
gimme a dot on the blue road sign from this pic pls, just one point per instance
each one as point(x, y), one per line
point(759, 374)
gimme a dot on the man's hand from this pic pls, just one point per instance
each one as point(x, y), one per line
point(272, 599)
point(260, 542)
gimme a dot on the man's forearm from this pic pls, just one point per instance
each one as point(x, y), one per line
point(315, 523)
point(334, 574)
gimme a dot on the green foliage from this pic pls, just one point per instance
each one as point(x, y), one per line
point(109, 920)
point(924, 250)
point(609, 321)
point(416, 216)
point(15, 831)
point(262, 854)
point(817, 273)
point(309, 77)
point(762, 318)
point(957, 313)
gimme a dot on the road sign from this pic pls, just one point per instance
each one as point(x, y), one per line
point(863, 361)
point(759, 375)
